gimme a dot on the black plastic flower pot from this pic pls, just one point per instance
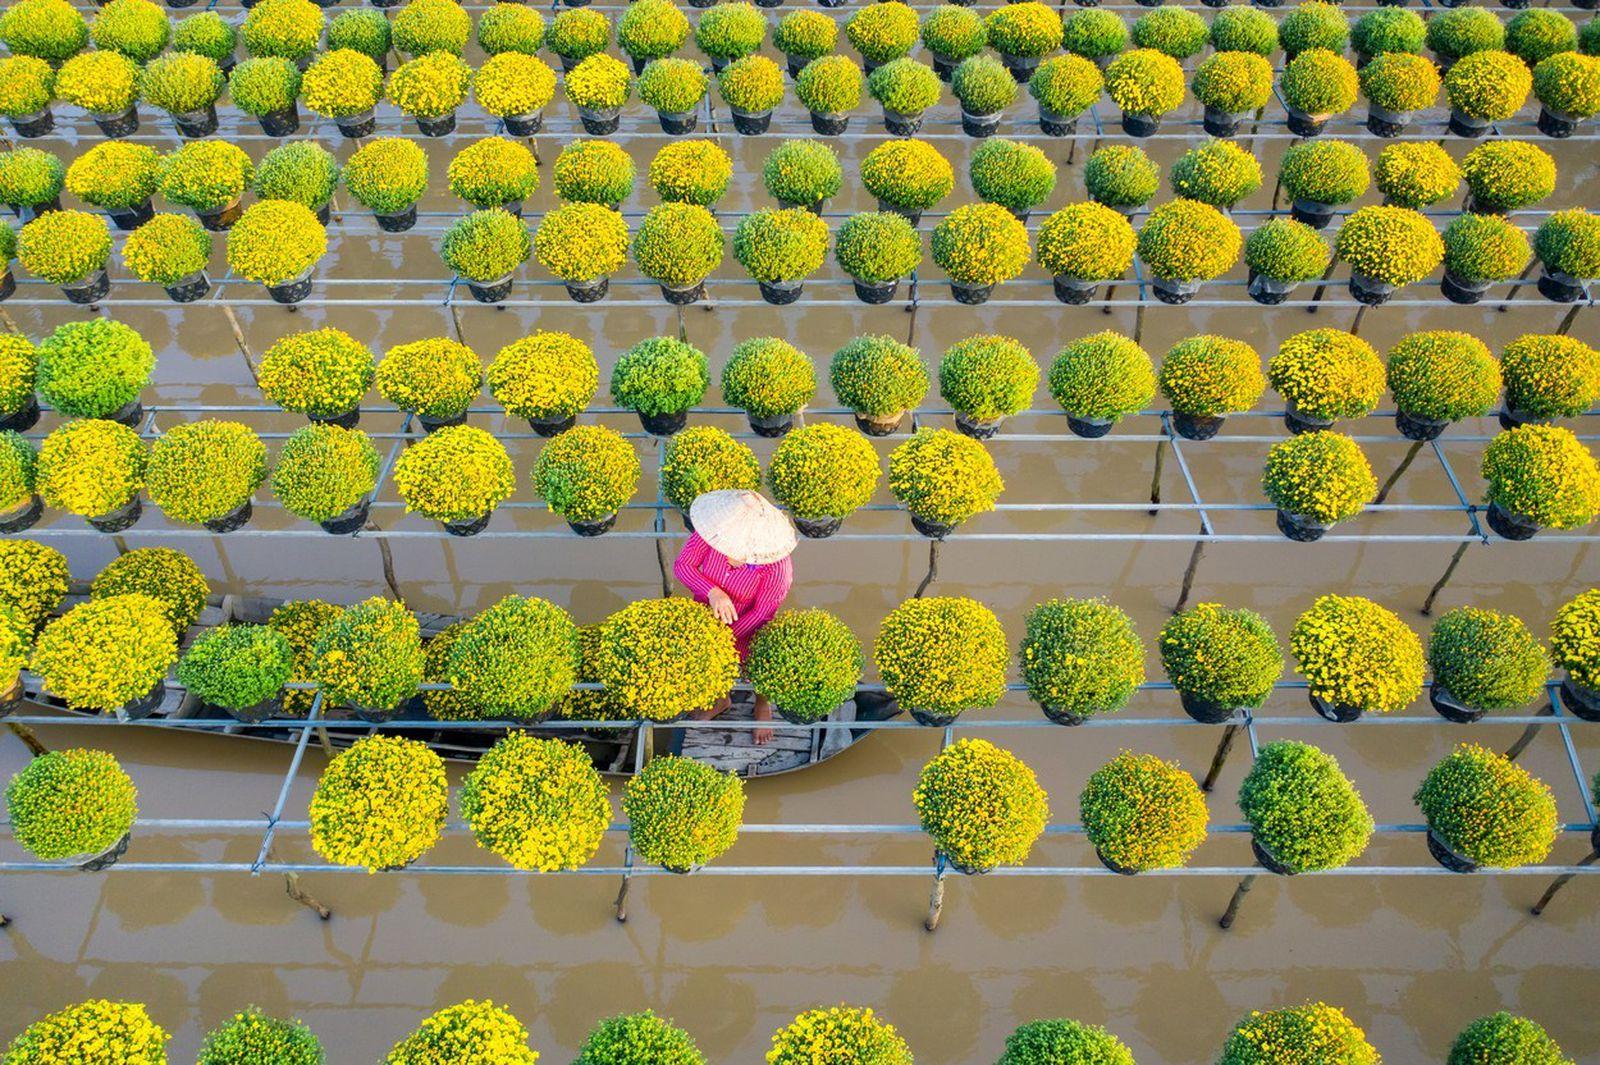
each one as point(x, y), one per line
point(900, 125)
point(325, 213)
point(664, 424)
point(145, 705)
point(377, 715)
point(468, 526)
point(588, 291)
point(1559, 287)
point(1054, 125)
point(129, 414)
point(1063, 717)
point(23, 518)
point(832, 3)
point(931, 720)
point(552, 426)
point(978, 428)
point(292, 291)
point(1174, 292)
point(1413, 427)
point(1073, 290)
point(979, 125)
point(829, 125)
point(353, 127)
point(433, 425)
point(1297, 423)
point(1335, 712)
point(105, 859)
point(222, 218)
point(568, 62)
point(28, 212)
point(91, 289)
point(523, 125)
point(818, 528)
point(1382, 122)
point(600, 123)
point(1313, 213)
point(769, 3)
point(1302, 124)
point(677, 123)
point(751, 123)
point(23, 418)
point(441, 126)
point(398, 222)
point(1458, 291)
point(190, 288)
point(1140, 125)
point(1220, 123)
point(971, 295)
point(1371, 291)
point(1204, 711)
point(875, 292)
point(879, 424)
point(1089, 428)
point(815, 207)
point(196, 123)
point(35, 125)
point(780, 293)
point(348, 522)
point(1450, 708)
point(1463, 125)
point(1265, 858)
point(280, 123)
point(966, 870)
point(772, 427)
point(1586, 5)
point(1197, 426)
point(933, 530)
point(251, 715)
point(599, 527)
point(491, 291)
point(344, 420)
point(1120, 870)
point(1510, 526)
point(682, 297)
point(1554, 124)
point(944, 66)
point(128, 219)
point(1580, 701)
point(912, 215)
point(1299, 528)
point(233, 520)
point(125, 124)
point(1445, 854)
point(1021, 66)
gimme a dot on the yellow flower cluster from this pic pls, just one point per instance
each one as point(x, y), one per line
point(300, 623)
point(537, 803)
point(824, 471)
point(370, 656)
point(276, 241)
point(1143, 813)
point(515, 84)
point(838, 1034)
point(944, 477)
point(982, 806)
point(322, 372)
point(168, 576)
point(379, 804)
point(98, 1031)
point(199, 471)
point(430, 86)
point(1575, 639)
point(492, 172)
point(1543, 473)
point(693, 171)
point(71, 804)
point(1081, 656)
point(942, 654)
point(544, 375)
point(1488, 808)
point(341, 83)
point(1322, 475)
point(456, 474)
point(600, 82)
point(704, 459)
point(1210, 376)
point(662, 658)
point(586, 473)
point(1314, 1032)
point(581, 241)
point(584, 704)
point(15, 636)
point(682, 813)
point(105, 653)
point(1327, 374)
point(980, 244)
point(516, 659)
point(1394, 245)
point(19, 360)
point(33, 579)
point(1355, 653)
point(469, 1033)
point(1550, 376)
point(1186, 240)
point(437, 377)
point(1145, 82)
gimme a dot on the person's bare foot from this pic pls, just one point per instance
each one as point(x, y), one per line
point(763, 713)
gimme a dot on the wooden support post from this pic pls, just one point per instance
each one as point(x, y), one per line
point(622, 898)
point(1138, 322)
point(1529, 733)
point(1394, 478)
point(1277, 188)
point(1072, 149)
point(291, 887)
point(683, 331)
point(1188, 576)
point(933, 569)
point(1111, 290)
point(1538, 907)
point(936, 901)
point(455, 317)
point(1322, 286)
point(5, 921)
point(1433, 593)
point(912, 305)
point(1155, 478)
point(1355, 326)
point(1522, 279)
point(1229, 734)
point(1567, 320)
point(388, 562)
point(29, 740)
point(661, 564)
point(238, 339)
point(1238, 897)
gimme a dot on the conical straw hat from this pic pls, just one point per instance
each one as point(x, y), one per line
point(743, 526)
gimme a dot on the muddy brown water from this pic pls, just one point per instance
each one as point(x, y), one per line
point(731, 959)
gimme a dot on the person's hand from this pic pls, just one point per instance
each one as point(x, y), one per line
point(722, 606)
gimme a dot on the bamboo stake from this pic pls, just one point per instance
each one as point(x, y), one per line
point(1188, 575)
point(1322, 286)
point(28, 738)
point(1229, 734)
point(933, 569)
point(1238, 897)
point(239, 341)
point(1405, 464)
point(1155, 478)
point(936, 900)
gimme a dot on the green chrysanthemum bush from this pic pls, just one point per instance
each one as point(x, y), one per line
point(1388, 29)
point(1357, 655)
point(1302, 810)
point(768, 377)
point(1550, 376)
point(207, 33)
point(1505, 1039)
point(444, 704)
point(1094, 33)
point(986, 377)
point(106, 653)
point(1394, 246)
point(983, 85)
point(342, 83)
point(27, 85)
point(678, 245)
point(517, 659)
point(19, 460)
point(115, 175)
point(1314, 24)
point(268, 85)
point(1568, 84)
point(981, 805)
point(883, 31)
point(367, 30)
point(493, 172)
point(510, 28)
point(876, 247)
point(1080, 658)
point(1145, 82)
point(691, 171)
point(1489, 86)
point(823, 471)
point(651, 29)
point(302, 172)
point(537, 803)
point(1535, 34)
point(1461, 31)
point(1064, 1042)
point(951, 32)
point(170, 577)
point(1239, 28)
point(1574, 639)
point(730, 30)
point(236, 667)
point(19, 365)
point(639, 1039)
point(276, 241)
point(1065, 86)
point(514, 84)
point(1301, 1035)
point(287, 28)
point(1141, 813)
point(251, 1035)
point(578, 33)
point(806, 172)
point(65, 247)
point(838, 1033)
point(780, 245)
point(1086, 241)
point(1443, 376)
point(807, 662)
point(705, 459)
point(904, 86)
point(753, 85)
point(1322, 477)
point(369, 656)
point(91, 467)
point(430, 86)
point(1220, 659)
point(102, 83)
point(458, 474)
point(830, 85)
point(1319, 83)
point(1486, 660)
point(1400, 82)
point(804, 35)
point(1484, 247)
point(380, 804)
point(436, 378)
point(301, 622)
point(682, 813)
point(1589, 38)
point(387, 175)
point(1327, 374)
point(1027, 30)
point(1543, 475)
point(1568, 242)
point(92, 369)
point(1233, 82)
point(52, 30)
point(470, 1031)
point(662, 658)
point(1487, 809)
point(582, 704)
point(1017, 176)
point(878, 377)
point(943, 477)
point(673, 86)
point(181, 82)
point(942, 656)
point(65, 804)
point(1185, 241)
point(1211, 376)
point(202, 471)
point(1121, 176)
point(425, 26)
point(486, 246)
point(1102, 377)
point(545, 376)
point(660, 375)
point(586, 473)
point(1173, 30)
point(33, 580)
point(911, 175)
point(979, 245)
point(1327, 172)
point(320, 372)
point(30, 177)
point(139, 29)
point(1217, 172)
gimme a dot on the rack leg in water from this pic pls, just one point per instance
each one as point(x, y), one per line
point(1394, 478)
point(933, 569)
point(1229, 734)
point(28, 738)
point(1238, 897)
point(936, 901)
point(1188, 576)
point(1322, 287)
point(1538, 907)
point(1433, 593)
point(1528, 734)
point(1155, 478)
point(291, 887)
point(1521, 280)
point(622, 892)
point(1567, 320)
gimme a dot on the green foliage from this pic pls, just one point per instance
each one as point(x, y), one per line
point(139, 29)
point(1391, 244)
point(1216, 172)
point(662, 658)
point(1484, 247)
point(19, 360)
point(980, 244)
point(1508, 175)
point(64, 247)
point(1543, 474)
point(1487, 660)
point(1569, 84)
point(577, 33)
point(517, 659)
point(1211, 376)
point(1240, 28)
point(678, 244)
point(276, 241)
point(988, 376)
point(1142, 813)
point(1400, 82)
point(1186, 240)
point(877, 246)
point(593, 171)
point(1027, 29)
point(207, 33)
point(1081, 656)
point(264, 86)
point(943, 655)
point(807, 662)
point(1302, 1035)
point(1490, 85)
point(19, 460)
point(831, 84)
point(823, 471)
point(486, 245)
point(650, 29)
point(981, 805)
point(803, 172)
point(424, 26)
point(52, 30)
point(471, 1031)
point(753, 84)
point(1388, 29)
point(287, 28)
point(303, 172)
point(1505, 1039)
point(682, 813)
point(1488, 808)
point(493, 171)
point(545, 375)
point(1103, 375)
point(319, 372)
point(200, 471)
point(1087, 241)
point(673, 86)
point(1568, 242)
point(92, 368)
point(370, 656)
point(639, 1039)
point(1314, 24)
point(103, 654)
point(1145, 82)
point(1319, 82)
point(943, 477)
point(952, 32)
point(1066, 85)
point(1013, 174)
point(1460, 31)
point(1234, 82)
point(586, 473)
point(704, 459)
point(768, 377)
point(1222, 657)
point(366, 30)
point(30, 176)
point(181, 82)
point(780, 245)
point(904, 86)
point(436, 377)
point(205, 175)
point(882, 31)
point(236, 666)
point(660, 375)
point(1536, 34)
point(907, 173)
point(1443, 376)
point(1416, 174)
point(1304, 812)
point(878, 375)
point(1094, 33)
point(459, 473)
point(983, 85)
point(1323, 476)
point(1173, 30)
point(510, 28)
point(1063, 1042)
point(380, 803)
point(253, 1036)
point(1550, 376)
point(343, 83)
point(730, 30)
point(68, 803)
point(807, 34)
point(170, 577)
point(324, 470)
point(1121, 175)
point(1324, 171)
point(1282, 249)
point(692, 171)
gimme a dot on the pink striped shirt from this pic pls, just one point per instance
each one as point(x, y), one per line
point(757, 591)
